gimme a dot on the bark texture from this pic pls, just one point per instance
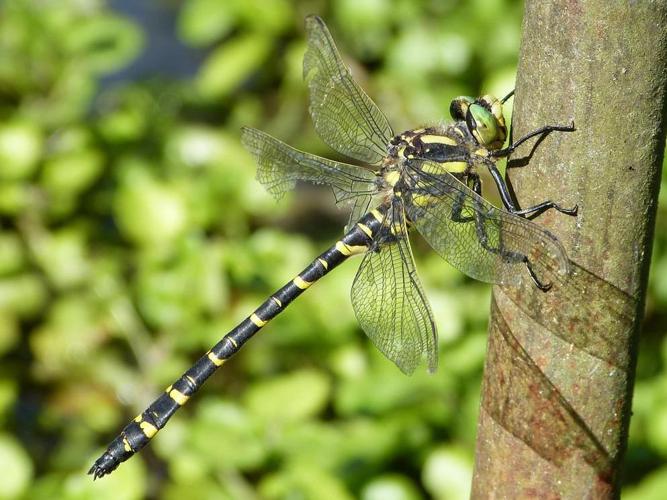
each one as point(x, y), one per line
point(558, 379)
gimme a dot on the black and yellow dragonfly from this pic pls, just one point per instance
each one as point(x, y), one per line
point(424, 178)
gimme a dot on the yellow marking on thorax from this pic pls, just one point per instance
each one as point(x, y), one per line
point(178, 396)
point(148, 429)
point(433, 168)
point(459, 131)
point(301, 283)
point(445, 166)
point(350, 249)
point(396, 228)
point(455, 166)
point(277, 301)
point(438, 139)
point(324, 263)
point(482, 152)
point(214, 359)
point(365, 229)
point(422, 200)
point(392, 177)
point(259, 322)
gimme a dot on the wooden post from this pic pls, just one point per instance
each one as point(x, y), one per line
point(559, 374)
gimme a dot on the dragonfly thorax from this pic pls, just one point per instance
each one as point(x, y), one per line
point(451, 147)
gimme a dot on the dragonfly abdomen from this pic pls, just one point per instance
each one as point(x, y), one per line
point(141, 430)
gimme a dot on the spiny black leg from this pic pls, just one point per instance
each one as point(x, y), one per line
point(543, 287)
point(536, 210)
point(473, 183)
point(483, 238)
point(509, 204)
point(540, 131)
point(503, 190)
point(502, 101)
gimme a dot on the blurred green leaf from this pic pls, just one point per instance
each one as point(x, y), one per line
point(447, 474)
point(102, 43)
point(303, 481)
point(16, 467)
point(62, 255)
point(24, 294)
point(204, 21)
point(8, 394)
point(225, 436)
point(230, 64)
point(149, 212)
point(652, 488)
point(12, 258)
point(288, 398)
point(390, 487)
point(9, 332)
point(20, 150)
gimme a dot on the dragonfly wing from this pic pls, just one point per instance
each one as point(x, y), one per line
point(482, 241)
point(359, 207)
point(391, 306)
point(344, 116)
point(280, 166)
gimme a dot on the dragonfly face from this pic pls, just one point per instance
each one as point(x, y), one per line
point(483, 118)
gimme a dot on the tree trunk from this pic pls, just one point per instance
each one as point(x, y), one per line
point(558, 379)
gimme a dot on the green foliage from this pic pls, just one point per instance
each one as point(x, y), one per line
point(134, 235)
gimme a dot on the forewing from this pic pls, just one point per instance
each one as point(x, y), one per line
point(280, 166)
point(344, 116)
point(482, 241)
point(391, 306)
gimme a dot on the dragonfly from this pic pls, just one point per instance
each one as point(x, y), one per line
point(426, 179)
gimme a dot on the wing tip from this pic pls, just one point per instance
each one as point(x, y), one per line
point(247, 134)
point(313, 19)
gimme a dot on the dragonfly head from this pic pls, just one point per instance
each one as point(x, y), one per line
point(484, 119)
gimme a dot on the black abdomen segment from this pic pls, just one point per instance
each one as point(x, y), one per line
point(139, 432)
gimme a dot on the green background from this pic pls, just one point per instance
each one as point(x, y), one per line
point(134, 235)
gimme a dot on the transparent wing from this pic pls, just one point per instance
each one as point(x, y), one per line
point(390, 304)
point(344, 116)
point(359, 207)
point(279, 166)
point(482, 241)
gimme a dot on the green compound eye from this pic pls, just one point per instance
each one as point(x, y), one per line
point(487, 127)
point(459, 107)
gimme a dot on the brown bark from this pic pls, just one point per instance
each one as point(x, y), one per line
point(558, 379)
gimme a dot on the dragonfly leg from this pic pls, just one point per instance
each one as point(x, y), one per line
point(529, 212)
point(545, 287)
point(542, 131)
point(473, 183)
point(509, 255)
point(483, 237)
